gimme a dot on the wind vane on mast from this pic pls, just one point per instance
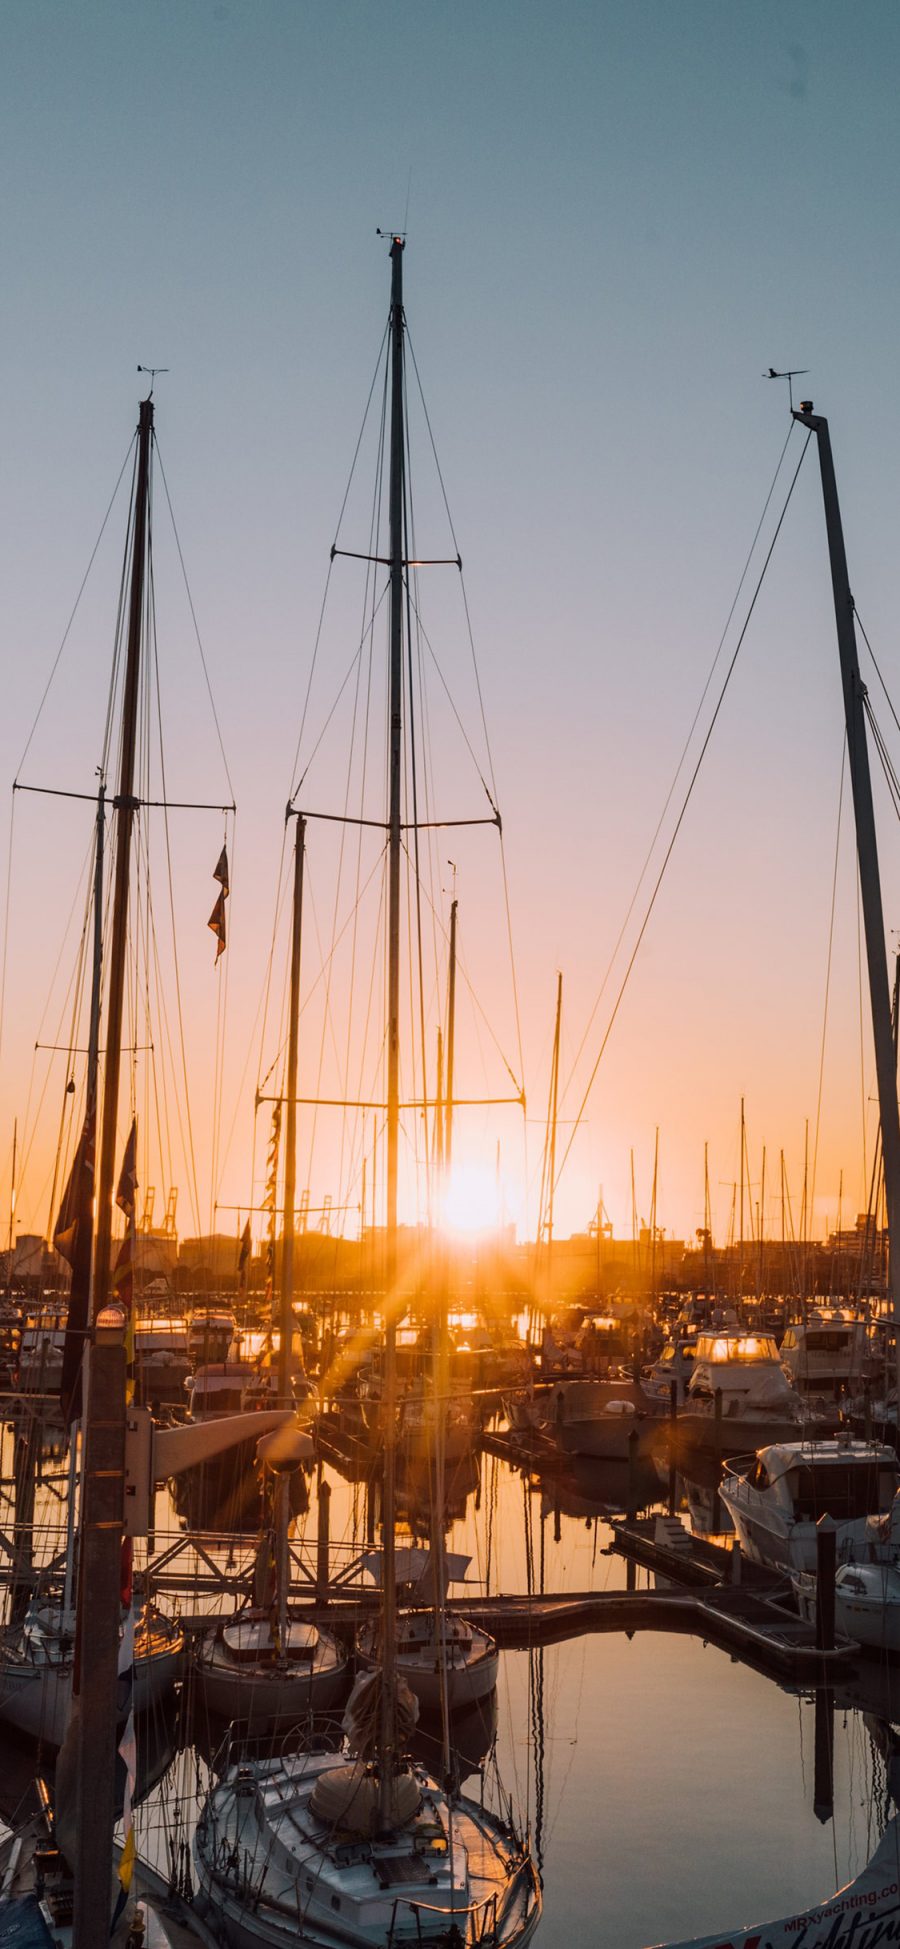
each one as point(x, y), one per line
point(796, 372)
point(151, 371)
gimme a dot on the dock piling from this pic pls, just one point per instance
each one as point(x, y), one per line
point(673, 1416)
point(323, 1511)
point(826, 1564)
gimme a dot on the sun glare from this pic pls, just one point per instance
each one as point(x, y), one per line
point(470, 1206)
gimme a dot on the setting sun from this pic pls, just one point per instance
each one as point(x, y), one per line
point(471, 1201)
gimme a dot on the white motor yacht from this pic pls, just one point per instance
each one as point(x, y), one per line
point(776, 1498)
point(830, 1350)
point(675, 1364)
point(756, 1404)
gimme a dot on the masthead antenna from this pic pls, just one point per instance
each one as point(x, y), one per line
point(796, 372)
point(151, 371)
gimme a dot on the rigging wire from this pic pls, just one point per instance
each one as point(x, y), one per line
point(678, 769)
point(132, 446)
point(678, 823)
point(190, 599)
point(190, 1157)
point(318, 635)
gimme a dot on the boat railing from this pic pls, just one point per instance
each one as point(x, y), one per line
point(309, 1736)
point(476, 1924)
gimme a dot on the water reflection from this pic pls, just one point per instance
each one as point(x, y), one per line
point(671, 1791)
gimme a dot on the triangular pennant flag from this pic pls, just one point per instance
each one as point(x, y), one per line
point(126, 1189)
point(73, 1238)
point(123, 1277)
point(220, 871)
point(216, 922)
point(244, 1257)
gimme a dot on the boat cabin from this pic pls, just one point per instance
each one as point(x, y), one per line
point(829, 1350)
point(211, 1336)
point(744, 1367)
point(847, 1481)
point(675, 1363)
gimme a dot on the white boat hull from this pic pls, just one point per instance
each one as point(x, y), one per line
point(866, 1604)
point(36, 1697)
point(272, 1875)
point(872, 1899)
point(468, 1679)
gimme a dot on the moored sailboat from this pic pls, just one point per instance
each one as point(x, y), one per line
point(362, 1846)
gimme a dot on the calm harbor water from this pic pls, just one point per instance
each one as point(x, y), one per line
point(670, 1790)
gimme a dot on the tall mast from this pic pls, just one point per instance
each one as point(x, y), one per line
point(93, 1062)
point(761, 1228)
point(740, 1286)
point(866, 843)
point(103, 1465)
point(554, 1106)
point(12, 1206)
point(286, 1330)
point(653, 1215)
point(286, 1318)
point(707, 1219)
point(439, 1111)
point(451, 1040)
point(395, 701)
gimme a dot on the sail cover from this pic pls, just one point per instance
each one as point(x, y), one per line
point(414, 1566)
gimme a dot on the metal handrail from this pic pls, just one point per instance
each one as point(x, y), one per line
point(453, 1916)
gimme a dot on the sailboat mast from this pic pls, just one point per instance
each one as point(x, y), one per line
point(653, 1227)
point(286, 1325)
point(12, 1205)
point(451, 1040)
point(103, 1466)
point(740, 1287)
point(554, 1106)
point(93, 1061)
point(395, 702)
point(707, 1217)
point(866, 844)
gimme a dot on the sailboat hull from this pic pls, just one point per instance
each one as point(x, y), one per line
point(469, 1675)
point(36, 1697)
point(267, 1696)
point(272, 1876)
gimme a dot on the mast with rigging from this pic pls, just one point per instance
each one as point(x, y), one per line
point(395, 769)
point(866, 843)
point(103, 1436)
